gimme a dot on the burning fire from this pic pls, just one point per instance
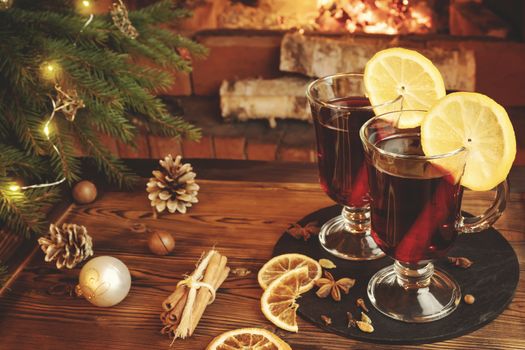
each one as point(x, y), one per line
point(375, 16)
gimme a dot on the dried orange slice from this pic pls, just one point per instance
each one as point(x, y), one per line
point(281, 264)
point(278, 300)
point(248, 339)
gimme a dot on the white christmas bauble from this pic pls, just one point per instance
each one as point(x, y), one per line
point(104, 281)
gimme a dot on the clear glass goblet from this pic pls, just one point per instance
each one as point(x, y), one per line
point(339, 108)
point(416, 217)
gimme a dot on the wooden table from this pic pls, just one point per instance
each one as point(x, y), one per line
point(244, 208)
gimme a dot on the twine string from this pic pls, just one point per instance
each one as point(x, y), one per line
point(193, 282)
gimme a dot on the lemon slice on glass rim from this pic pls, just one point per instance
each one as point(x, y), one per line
point(482, 126)
point(398, 72)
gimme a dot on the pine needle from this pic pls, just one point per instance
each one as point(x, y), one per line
point(116, 77)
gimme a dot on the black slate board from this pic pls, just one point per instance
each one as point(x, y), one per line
point(492, 279)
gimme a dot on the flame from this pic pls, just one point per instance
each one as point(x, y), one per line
point(375, 16)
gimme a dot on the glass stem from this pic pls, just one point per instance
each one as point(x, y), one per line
point(357, 220)
point(413, 276)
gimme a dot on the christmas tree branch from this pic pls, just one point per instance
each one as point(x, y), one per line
point(117, 78)
point(64, 162)
point(160, 12)
point(114, 168)
point(18, 163)
point(24, 208)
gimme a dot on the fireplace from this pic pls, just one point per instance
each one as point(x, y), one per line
point(490, 18)
point(343, 16)
point(248, 95)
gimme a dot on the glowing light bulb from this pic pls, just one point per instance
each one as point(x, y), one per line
point(46, 130)
point(14, 188)
point(84, 7)
point(50, 70)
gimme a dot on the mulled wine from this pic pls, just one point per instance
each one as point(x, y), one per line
point(342, 170)
point(339, 109)
point(415, 205)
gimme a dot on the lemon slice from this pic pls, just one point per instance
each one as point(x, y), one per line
point(281, 264)
point(278, 300)
point(479, 124)
point(398, 72)
point(248, 339)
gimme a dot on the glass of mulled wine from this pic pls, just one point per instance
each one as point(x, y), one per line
point(416, 217)
point(339, 108)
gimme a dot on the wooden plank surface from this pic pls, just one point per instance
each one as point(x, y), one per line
point(244, 220)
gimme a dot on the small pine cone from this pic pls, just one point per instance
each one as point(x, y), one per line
point(173, 187)
point(69, 245)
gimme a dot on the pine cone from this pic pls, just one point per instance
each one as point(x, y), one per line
point(68, 246)
point(173, 187)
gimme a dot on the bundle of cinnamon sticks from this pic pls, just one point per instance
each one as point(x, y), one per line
point(184, 308)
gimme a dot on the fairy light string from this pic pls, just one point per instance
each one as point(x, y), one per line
point(66, 102)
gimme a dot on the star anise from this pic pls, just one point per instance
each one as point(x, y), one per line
point(329, 286)
point(240, 272)
point(297, 231)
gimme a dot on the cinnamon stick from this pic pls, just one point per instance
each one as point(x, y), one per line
point(172, 317)
point(170, 302)
point(215, 272)
point(184, 308)
point(207, 269)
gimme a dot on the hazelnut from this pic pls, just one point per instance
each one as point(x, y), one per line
point(469, 299)
point(84, 192)
point(161, 242)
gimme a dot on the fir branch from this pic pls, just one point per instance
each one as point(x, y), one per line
point(66, 24)
point(168, 125)
point(15, 63)
point(151, 78)
point(116, 77)
point(19, 163)
point(167, 57)
point(110, 121)
point(64, 162)
point(23, 208)
point(160, 12)
point(114, 168)
point(176, 41)
point(26, 126)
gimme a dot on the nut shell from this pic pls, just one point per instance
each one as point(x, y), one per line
point(469, 299)
point(161, 242)
point(84, 192)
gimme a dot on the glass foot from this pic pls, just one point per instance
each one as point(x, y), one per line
point(414, 294)
point(350, 240)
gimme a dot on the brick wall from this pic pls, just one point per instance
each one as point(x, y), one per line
point(235, 55)
point(500, 73)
